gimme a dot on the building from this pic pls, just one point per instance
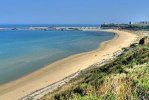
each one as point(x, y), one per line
point(143, 22)
point(130, 23)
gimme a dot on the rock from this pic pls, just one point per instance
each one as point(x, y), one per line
point(144, 40)
point(133, 45)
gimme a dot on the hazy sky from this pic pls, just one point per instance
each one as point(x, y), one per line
point(72, 11)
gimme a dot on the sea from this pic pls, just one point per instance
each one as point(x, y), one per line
point(25, 51)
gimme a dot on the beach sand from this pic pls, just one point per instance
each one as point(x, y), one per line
point(63, 68)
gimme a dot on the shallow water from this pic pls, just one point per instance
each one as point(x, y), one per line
point(22, 52)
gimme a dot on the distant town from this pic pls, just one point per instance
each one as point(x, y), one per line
point(131, 25)
point(55, 28)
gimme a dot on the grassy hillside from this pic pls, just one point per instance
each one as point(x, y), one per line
point(126, 78)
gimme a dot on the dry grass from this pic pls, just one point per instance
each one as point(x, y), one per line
point(127, 78)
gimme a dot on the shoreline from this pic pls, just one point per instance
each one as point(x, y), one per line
point(98, 46)
point(45, 76)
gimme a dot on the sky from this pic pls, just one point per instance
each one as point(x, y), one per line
point(72, 11)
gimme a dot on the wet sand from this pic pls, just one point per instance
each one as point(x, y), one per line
point(63, 68)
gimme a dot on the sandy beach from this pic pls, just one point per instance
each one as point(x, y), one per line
point(65, 67)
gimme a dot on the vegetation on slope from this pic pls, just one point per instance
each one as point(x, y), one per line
point(126, 78)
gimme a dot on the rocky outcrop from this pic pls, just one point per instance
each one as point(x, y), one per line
point(144, 40)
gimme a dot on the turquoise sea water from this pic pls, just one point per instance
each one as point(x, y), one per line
point(22, 52)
